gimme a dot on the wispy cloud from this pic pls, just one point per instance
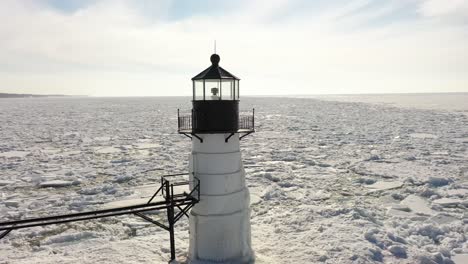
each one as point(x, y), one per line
point(453, 9)
point(127, 47)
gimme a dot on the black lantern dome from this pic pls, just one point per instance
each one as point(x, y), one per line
point(215, 72)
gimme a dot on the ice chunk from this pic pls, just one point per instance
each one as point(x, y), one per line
point(123, 178)
point(396, 238)
point(319, 195)
point(272, 192)
point(255, 199)
point(427, 260)
point(55, 184)
point(398, 251)
point(453, 192)
point(366, 180)
point(417, 205)
point(376, 254)
point(12, 203)
point(443, 219)
point(146, 145)
point(103, 138)
point(384, 185)
point(135, 223)
point(374, 157)
point(5, 183)
point(124, 203)
point(401, 207)
point(429, 230)
point(422, 135)
point(107, 150)
point(447, 202)
point(398, 213)
point(14, 154)
point(64, 238)
point(117, 161)
point(438, 181)
point(105, 189)
point(370, 235)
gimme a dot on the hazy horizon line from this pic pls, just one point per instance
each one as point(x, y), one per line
point(281, 95)
point(248, 95)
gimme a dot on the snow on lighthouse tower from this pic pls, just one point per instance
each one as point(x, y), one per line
point(220, 222)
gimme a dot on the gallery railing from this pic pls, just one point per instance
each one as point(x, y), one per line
point(246, 122)
point(184, 122)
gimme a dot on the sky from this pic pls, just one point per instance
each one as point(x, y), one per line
point(276, 47)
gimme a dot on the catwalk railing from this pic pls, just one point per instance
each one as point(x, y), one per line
point(246, 123)
point(185, 122)
point(171, 201)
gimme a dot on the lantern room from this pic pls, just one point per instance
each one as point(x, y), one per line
point(215, 105)
point(215, 83)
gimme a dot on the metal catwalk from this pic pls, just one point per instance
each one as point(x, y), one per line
point(182, 202)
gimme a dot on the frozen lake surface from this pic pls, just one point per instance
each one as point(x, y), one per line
point(434, 101)
point(331, 182)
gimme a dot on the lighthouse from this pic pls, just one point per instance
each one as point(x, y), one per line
point(220, 222)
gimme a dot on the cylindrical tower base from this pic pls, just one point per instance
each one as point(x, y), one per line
point(220, 222)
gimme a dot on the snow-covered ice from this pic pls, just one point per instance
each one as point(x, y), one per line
point(14, 154)
point(417, 204)
point(330, 182)
point(450, 202)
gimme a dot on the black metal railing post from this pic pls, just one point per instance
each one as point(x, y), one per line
point(198, 187)
point(178, 120)
point(193, 120)
point(170, 216)
point(189, 122)
point(3, 234)
point(253, 118)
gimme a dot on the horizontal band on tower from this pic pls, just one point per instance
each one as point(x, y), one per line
point(241, 211)
point(222, 184)
point(200, 175)
point(223, 204)
point(216, 163)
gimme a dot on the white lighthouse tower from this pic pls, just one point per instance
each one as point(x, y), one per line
point(220, 222)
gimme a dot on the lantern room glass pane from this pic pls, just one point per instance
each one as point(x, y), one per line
point(213, 91)
point(198, 93)
point(227, 90)
point(236, 89)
